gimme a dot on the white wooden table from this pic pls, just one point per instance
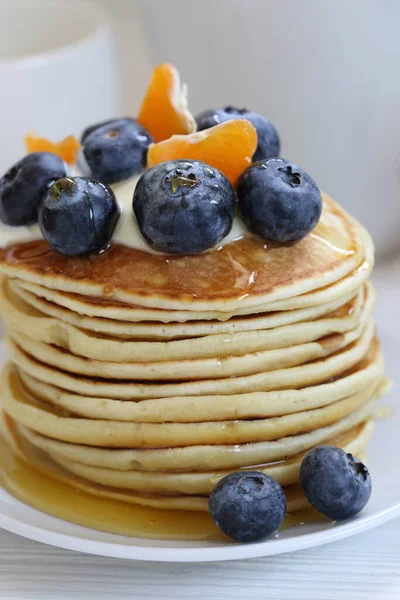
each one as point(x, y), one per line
point(360, 568)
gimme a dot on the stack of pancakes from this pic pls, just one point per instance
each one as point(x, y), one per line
point(148, 378)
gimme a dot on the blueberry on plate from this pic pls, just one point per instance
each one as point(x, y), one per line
point(116, 149)
point(278, 201)
point(268, 138)
point(78, 215)
point(334, 482)
point(183, 207)
point(248, 505)
point(24, 185)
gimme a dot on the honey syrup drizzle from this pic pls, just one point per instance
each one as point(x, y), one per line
point(62, 500)
point(58, 499)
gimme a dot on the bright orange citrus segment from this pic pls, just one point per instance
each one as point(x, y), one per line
point(67, 149)
point(164, 110)
point(229, 147)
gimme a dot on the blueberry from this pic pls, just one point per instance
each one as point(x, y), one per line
point(24, 185)
point(183, 207)
point(92, 128)
point(335, 483)
point(279, 201)
point(78, 215)
point(268, 138)
point(116, 150)
point(248, 505)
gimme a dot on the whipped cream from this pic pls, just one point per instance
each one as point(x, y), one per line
point(127, 231)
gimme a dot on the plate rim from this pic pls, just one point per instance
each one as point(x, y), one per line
point(190, 554)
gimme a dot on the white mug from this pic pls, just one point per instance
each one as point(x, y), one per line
point(57, 71)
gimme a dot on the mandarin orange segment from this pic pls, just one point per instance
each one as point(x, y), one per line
point(229, 147)
point(164, 110)
point(67, 149)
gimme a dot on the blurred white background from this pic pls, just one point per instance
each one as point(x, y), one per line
point(324, 71)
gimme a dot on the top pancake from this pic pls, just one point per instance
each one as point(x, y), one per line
point(248, 272)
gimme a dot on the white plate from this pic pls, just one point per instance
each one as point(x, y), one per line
point(383, 506)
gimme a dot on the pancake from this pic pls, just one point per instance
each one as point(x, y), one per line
point(40, 460)
point(45, 419)
point(285, 471)
point(104, 307)
point(22, 318)
point(214, 408)
point(299, 376)
point(189, 370)
point(205, 458)
point(260, 334)
point(248, 272)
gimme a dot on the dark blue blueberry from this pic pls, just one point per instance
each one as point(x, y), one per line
point(78, 215)
point(183, 207)
point(116, 150)
point(268, 138)
point(279, 201)
point(24, 185)
point(91, 128)
point(335, 483)
point(248, 505)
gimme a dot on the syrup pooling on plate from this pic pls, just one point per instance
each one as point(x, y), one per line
point(61, 500)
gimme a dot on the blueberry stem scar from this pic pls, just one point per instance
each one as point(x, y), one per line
point(293, 178)
point(63, 185)
point(180, 180)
